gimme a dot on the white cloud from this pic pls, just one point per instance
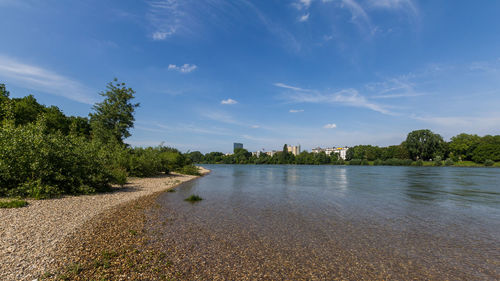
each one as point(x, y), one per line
point(160, 35)
point(302, 4)
point(228, 101)
point(165, 16)
point(304, 18)
point(186, 68)
point(347, 97)
point(281, 85)
point(395, 5)
point(255, 126)
point(40, 79)
point(296, 110)
point(330, 126)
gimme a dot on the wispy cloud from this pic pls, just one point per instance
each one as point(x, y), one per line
point(398, 87)
point(166, 18)
point(41, 79)
point(302, 4)
point(281, 85)
point(186, 68)
point(345, 97)
point(406, 5)
point(304, 18)
point(296, 110)
point(330, 126)
point(228, 101)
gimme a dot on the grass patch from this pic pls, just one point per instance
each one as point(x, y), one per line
point(193, 198)
point(14, 203)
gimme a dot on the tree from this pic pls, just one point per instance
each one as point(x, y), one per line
point(114, 117)
point(424, 144)
point(462, 145)
point(195, 156)
point(487, 149)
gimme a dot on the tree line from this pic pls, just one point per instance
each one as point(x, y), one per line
point(44, 153)
point(419, 148)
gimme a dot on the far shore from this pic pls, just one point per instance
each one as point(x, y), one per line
point(30, 236)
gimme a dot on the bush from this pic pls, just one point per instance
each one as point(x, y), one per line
point(438, 161)
point(190, 170)
point(449, 162)
point(489, 162)
point(15, 203)
point(378, 162)
point(418, 163)
point(193, 198)
point(38, 164)
point(355, 162)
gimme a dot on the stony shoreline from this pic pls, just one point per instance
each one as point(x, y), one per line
point(35, 239)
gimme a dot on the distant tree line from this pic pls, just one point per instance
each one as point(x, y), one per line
point(420, 147)
point(44, 153)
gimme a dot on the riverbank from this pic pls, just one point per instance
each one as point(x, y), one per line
point(31, 238)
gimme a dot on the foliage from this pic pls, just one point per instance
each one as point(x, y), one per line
point(424, 144)
point(38, 164)
point(489, 162)
point(44, 153)
point(193, 198)
point(449, 162)
point(190, 170)
point(488, 148)
point(114, 117)
point(14, 203)
point(463, 145)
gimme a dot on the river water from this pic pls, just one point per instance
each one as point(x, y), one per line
point(333, 222)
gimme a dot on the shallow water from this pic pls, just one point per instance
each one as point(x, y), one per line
point(334, 222)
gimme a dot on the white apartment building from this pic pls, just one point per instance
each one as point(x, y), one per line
point(342, 151)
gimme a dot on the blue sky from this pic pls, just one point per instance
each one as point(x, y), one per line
point(264, 73)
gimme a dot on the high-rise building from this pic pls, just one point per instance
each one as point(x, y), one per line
point(295, 150)
point(237, 145)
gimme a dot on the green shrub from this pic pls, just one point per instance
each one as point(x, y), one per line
point(419, 162)
point(438, 161)
point(365, 162)
point(38, 164)
point(15, 203)
point(449, 162)
point(489, 162)
point(193, 198)
point(355, 162)
point(378, 162)
point(190, 170)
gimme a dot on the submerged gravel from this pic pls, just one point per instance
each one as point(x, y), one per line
point(32, 238)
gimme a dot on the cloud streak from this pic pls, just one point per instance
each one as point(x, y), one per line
point(41, 79)
point(345, 97)
point(228, 101)
point(186, 68)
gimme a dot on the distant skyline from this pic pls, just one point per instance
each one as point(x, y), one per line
point(263, 73)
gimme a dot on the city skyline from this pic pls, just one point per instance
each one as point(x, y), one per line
point(264, 73)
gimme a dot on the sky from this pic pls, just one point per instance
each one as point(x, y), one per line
point(264, 73)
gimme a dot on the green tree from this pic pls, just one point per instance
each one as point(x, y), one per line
point(424, 144)
point(463, 144)
point(487, 149)
point(195, 156)
point(114, 117)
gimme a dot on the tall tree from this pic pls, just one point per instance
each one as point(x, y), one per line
point(424, 144)
point(114, 117)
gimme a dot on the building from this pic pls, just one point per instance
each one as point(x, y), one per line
point(271, 153)
point(237, 145)
point(342, 151)
point(295, 150)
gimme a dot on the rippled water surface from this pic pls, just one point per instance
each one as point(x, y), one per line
point(328, 222)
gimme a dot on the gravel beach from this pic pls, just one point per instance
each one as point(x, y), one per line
point(31, 236)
